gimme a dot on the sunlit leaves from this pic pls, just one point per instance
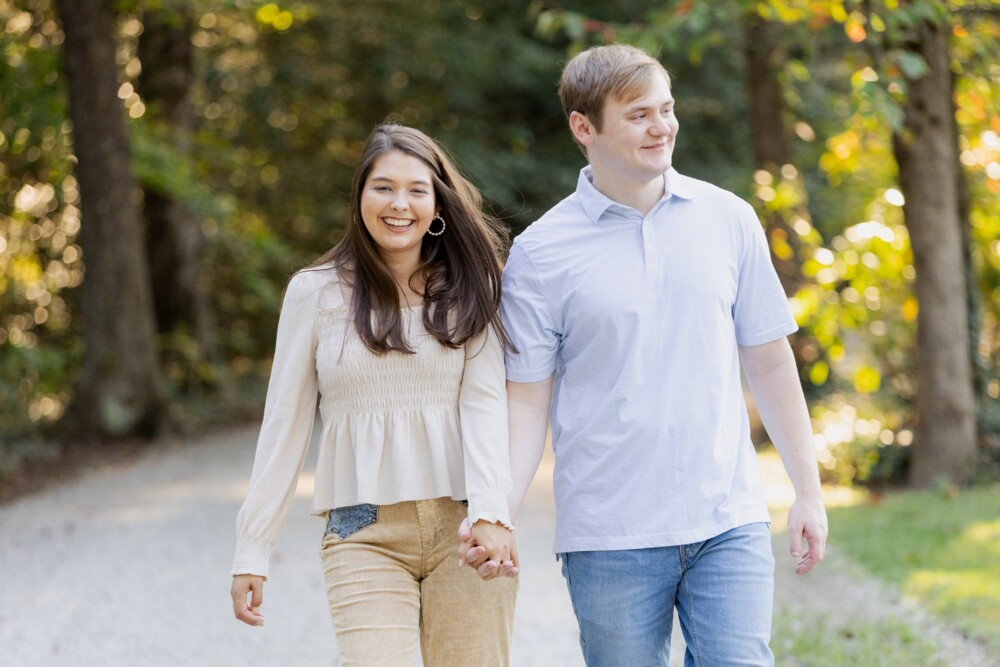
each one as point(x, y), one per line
point(819, 372)
point(867, 380)
point(281, 18)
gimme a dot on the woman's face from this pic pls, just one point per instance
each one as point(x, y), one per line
point(397, 205)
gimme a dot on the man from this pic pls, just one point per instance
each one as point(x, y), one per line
point(632, 304)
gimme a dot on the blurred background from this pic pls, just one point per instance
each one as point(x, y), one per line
point(166, 165)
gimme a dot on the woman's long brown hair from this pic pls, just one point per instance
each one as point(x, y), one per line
point(461, 267)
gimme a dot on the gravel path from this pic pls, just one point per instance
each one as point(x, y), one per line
point(128, 565)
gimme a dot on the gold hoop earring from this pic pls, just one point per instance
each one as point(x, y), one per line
point(437, 217)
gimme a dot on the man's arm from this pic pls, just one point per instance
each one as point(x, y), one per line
point(528, 423)
point(528, 420)
point(773, 378)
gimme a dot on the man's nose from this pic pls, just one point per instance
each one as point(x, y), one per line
point(660, 126)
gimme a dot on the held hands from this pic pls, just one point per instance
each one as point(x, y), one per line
point(489, 548)
point(807, 519)
point(248, 611)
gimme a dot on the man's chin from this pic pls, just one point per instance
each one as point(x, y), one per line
point(658, 166)
point(656, 170)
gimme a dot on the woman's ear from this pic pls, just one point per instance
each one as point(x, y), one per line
point(581, 127)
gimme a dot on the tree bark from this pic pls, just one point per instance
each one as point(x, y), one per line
point(769, 135)
point(173, 232)
point(118, 391)
point(771, 147)
point(926, 151)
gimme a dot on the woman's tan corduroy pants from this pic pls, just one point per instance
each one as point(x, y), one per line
point(393, 583)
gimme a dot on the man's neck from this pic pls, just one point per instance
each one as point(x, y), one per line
point(641, 196)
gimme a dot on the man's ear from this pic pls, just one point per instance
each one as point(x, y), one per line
point(581, 127)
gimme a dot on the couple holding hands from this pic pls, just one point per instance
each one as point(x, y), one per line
point(622, 317)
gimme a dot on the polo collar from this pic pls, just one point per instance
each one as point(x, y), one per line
point(595, 203)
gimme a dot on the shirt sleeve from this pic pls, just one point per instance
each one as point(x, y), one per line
point(761, 312)
point(527, 316)
point(289, 417)
point(483, 418)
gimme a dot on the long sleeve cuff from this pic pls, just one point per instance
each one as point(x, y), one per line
point(251, 558)
point(490, 506)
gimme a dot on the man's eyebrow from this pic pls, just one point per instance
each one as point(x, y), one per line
point(644, 107)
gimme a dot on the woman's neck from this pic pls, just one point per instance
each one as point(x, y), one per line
point(402, 269)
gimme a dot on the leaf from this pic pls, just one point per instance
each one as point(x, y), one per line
point(867, 380)
point(913, 65)
point(819, 373)
point(574, 26)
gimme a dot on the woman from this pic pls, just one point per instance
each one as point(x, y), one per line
point(397, 329)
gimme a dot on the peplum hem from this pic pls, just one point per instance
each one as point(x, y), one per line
point(388, 457)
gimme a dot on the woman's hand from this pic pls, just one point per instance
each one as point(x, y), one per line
point(248, 611)
point(489, 548)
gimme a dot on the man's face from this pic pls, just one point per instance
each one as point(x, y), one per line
point(636, 141)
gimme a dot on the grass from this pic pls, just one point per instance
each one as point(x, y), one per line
point(939, 547)
point(843, 641)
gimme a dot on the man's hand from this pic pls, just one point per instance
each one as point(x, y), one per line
point(248, 611)
point(472, 553)
point(807, 519)
point(774, 380)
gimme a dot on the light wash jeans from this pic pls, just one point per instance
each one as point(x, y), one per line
point(723, 589)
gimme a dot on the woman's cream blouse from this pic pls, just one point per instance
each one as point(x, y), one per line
point(396, 427)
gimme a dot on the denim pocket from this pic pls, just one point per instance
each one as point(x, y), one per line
point(346, 521)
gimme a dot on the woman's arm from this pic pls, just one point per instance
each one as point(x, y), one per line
point(289, 416)
point(483, 415)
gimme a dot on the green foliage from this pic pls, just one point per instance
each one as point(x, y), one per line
point(248, 264)
point(941, 547)
point(286, 93)
point(295, 107)
point(159, 165)
point(39, 220)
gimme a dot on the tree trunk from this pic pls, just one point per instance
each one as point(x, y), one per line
point(174, 237)
point(118, 392)
point(973, 298)
point(926, 151)
point(771, 147)
point(770, 137)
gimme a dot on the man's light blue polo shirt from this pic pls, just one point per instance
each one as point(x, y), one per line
point(639, 318)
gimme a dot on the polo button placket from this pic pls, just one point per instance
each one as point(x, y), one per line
point(649, 245)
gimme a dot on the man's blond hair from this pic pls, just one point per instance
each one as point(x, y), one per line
point(618, 72)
